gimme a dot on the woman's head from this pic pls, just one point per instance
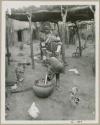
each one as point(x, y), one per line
point(47, 29)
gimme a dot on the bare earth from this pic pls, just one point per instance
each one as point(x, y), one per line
point(57, 106)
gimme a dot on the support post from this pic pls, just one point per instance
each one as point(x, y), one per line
point(31, 42)
point(67, 33)
point(7, 40)
point(63, 15)
point(58, 30)
point(93, 34)
point(77, 30)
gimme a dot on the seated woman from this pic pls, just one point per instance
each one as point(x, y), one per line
point(52, 55)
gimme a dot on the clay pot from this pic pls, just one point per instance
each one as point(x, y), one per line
point(42, 90)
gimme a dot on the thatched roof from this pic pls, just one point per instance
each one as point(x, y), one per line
point(21, 25)
point(82, 22)
point(75, 14)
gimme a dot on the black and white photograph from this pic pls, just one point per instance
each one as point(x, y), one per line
point(49, 62)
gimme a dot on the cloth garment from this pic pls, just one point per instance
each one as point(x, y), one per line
point(55, 66)
point(49, 45)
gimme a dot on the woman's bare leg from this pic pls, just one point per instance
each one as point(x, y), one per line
point(58, 80)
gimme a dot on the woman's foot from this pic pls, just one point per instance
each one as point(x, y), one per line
point(58, 87)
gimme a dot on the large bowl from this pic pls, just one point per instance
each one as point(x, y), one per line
point(43, 91)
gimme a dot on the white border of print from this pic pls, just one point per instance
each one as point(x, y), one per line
point(7, 3)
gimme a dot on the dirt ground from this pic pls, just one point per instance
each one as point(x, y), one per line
point(57, 106)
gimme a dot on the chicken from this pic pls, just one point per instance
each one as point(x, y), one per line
point(74, 99)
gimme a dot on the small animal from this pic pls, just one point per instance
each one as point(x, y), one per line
point(74, 99)
point(74, 90)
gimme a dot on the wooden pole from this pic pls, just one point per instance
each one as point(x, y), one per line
point(59, 31)
point(31, 42)
point(77, 30)
point(63, 34)
point(93, 34)
point(67, 33)
point(7, 40)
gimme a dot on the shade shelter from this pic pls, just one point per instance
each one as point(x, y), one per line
point(73, 15)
